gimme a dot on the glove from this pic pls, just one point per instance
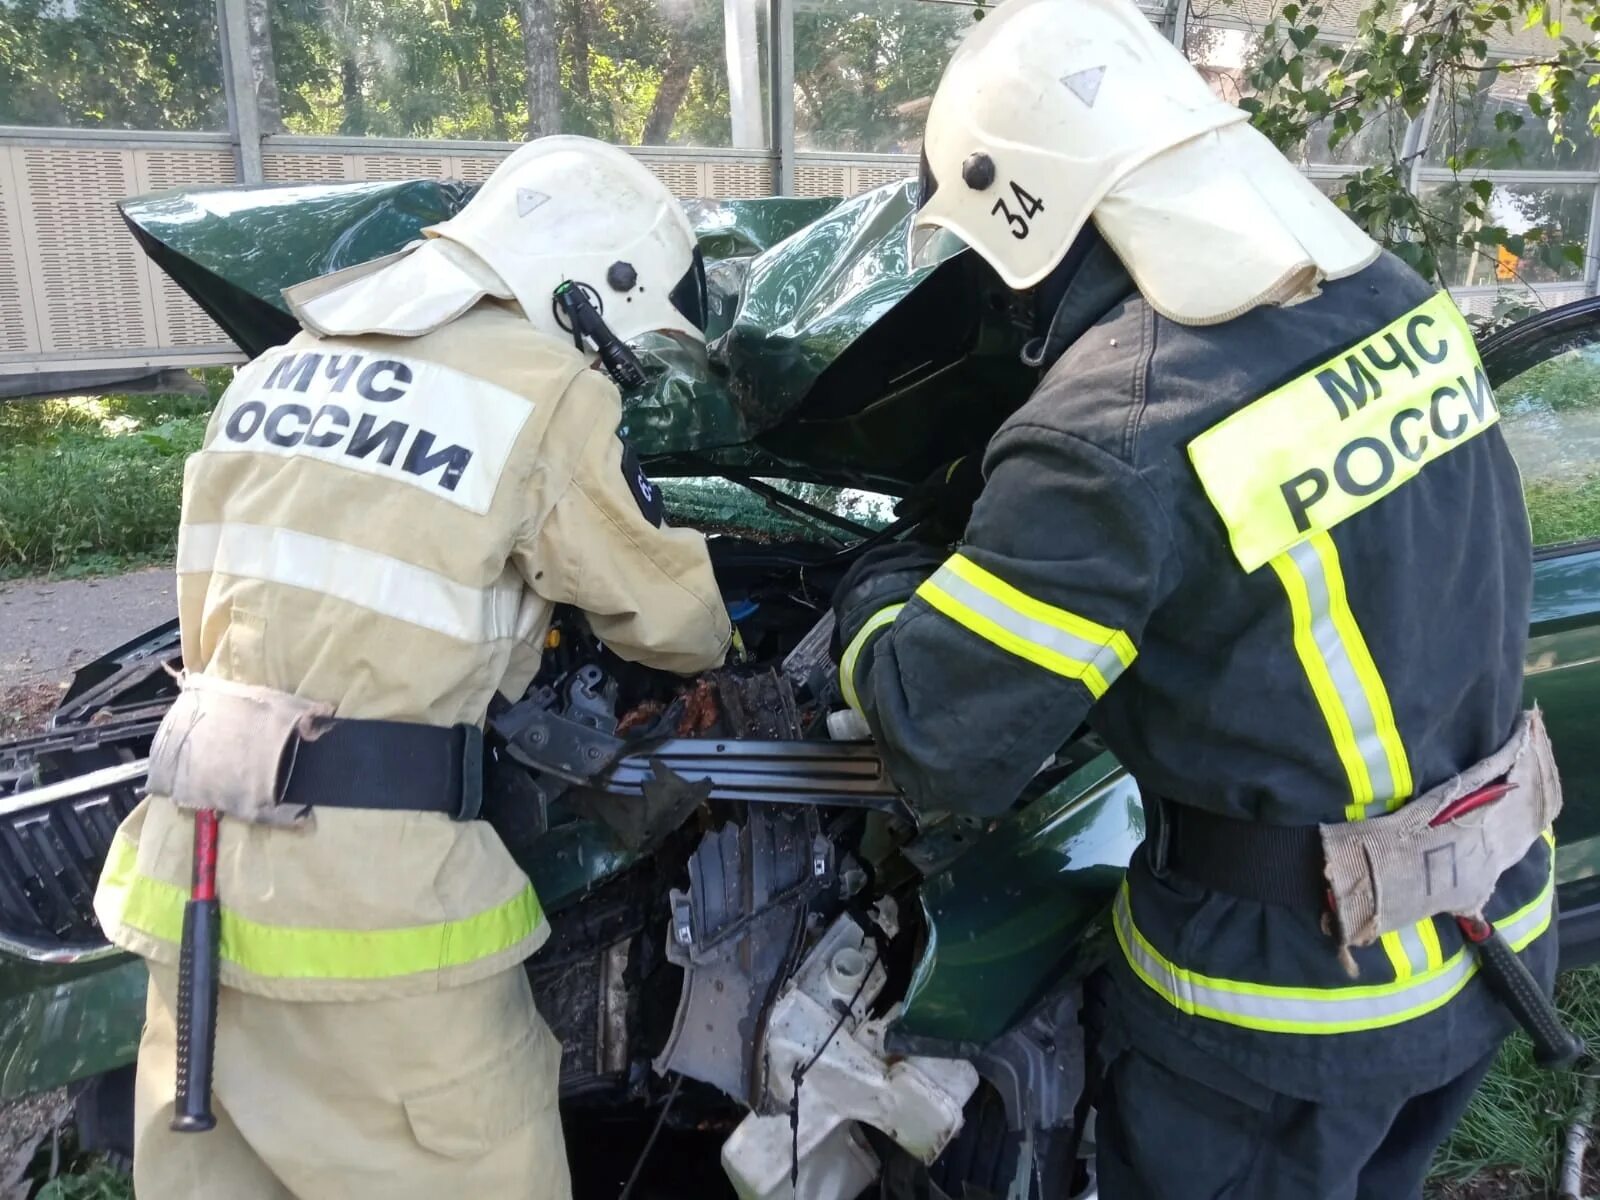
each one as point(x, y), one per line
point(884, 575)
point(942, 503)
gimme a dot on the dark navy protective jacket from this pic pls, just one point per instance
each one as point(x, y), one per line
point(1282, 566)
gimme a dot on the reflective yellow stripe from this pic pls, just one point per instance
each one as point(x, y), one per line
point(1053, 638)
point(1340, 437)
point(1409, 949)
point(1343, 678)
point(1397, 954)
point(852, 652)
point(1429, 936)
point(155, 908)
point(1275, 1009)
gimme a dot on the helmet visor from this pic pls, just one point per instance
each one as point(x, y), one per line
point(927, 185)
point(689, 295)
point(928, 245)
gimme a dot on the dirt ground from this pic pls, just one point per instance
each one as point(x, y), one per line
point(50, 627)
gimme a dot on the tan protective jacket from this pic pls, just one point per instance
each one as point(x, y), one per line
point(385, 524)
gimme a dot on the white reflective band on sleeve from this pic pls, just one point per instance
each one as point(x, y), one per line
point(1050, 637)
point(852, 653)
point(1275, 1009)
point(376, 582)
point(1343, 678)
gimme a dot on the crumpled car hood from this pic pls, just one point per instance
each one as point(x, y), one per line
point(829, 358)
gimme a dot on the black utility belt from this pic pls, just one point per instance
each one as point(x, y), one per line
point(1270, 864)
point(394, 766)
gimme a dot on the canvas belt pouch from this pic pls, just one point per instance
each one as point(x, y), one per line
point(1392, 871)
point(229, 746)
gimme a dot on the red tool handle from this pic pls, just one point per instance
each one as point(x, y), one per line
point(197, 985)
point(1465, 804)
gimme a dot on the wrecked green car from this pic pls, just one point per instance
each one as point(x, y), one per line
point(732, 891)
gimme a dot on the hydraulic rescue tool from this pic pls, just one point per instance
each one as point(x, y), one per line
point(1554, 1045)
point(197, 984)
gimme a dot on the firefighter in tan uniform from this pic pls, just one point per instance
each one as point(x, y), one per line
point(383, 515)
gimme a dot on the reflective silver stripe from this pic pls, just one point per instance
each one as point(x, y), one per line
point(1101, 656)
point(1416, 953)
point(1336, 656)
point(377, 582)
point(1315, 1010)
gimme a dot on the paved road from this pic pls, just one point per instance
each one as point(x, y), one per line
point(47, 629)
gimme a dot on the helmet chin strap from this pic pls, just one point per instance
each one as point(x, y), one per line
point(587, 323)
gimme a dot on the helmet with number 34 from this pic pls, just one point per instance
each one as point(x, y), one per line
point(1053, 112)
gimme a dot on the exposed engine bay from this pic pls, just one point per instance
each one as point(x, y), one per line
point(734, 898)
point(760, 951)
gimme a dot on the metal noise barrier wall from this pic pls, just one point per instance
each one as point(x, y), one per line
point(78, 296)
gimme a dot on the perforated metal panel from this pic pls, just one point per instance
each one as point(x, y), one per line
point(159, 170)
point(738, 180)
point(818, 179)
point(401, 166)
point(18, 332)
point(179, 320)
point(686, 179)
point(863, 179)
point(289, 166)
point(91, 289)
point(474, 168)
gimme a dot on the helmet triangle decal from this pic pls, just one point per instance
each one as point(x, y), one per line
point(1085, 85)
point(528, 200)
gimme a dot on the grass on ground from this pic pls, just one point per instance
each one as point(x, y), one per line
point(1511, 1137)
point(1568, 511)
point(89, 485)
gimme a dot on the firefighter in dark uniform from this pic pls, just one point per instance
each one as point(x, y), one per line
point(1257, 525)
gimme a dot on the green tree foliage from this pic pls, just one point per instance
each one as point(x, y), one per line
point(863, 70)
point(655, 72)
point(1514, 88)
point(116, 64)
point(632, 71)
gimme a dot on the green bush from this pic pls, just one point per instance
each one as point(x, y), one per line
point(94, 482)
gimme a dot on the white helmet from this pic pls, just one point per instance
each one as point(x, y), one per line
point(558, 210)
point(1053, 111)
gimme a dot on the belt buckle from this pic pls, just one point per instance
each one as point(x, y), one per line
point(468, 748)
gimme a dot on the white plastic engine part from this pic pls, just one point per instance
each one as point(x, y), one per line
point(916, 1101)
point(847, 725)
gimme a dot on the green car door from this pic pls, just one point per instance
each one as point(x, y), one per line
point(1546, 374)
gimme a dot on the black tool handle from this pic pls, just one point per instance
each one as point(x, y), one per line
point(197, 1016)
point(1555, 1047)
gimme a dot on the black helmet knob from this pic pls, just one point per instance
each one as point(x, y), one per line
point(978, 171)
point(621, 276)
